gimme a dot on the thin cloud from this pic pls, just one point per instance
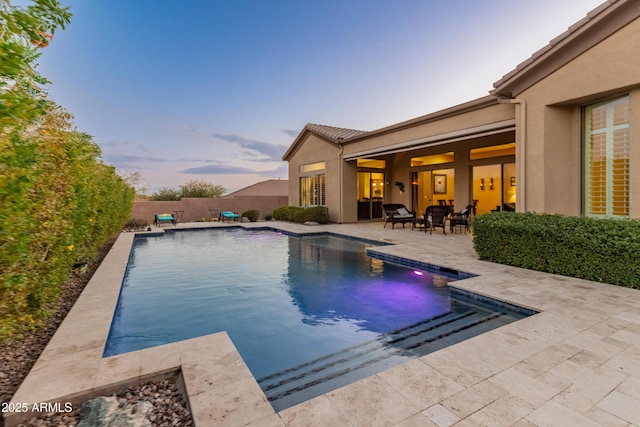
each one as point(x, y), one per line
point(272, 152)
point(193, 160)
point(128, 145)
point(281, 172)
point(218, 170)
point(128, 158)
point(290, 132)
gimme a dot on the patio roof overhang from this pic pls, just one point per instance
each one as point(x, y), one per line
point(435, 140)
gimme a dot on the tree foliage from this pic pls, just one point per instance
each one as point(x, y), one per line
point(22, 32)
point(195, 188)
point(166, 194)
point(58, 202)
point(192, 188)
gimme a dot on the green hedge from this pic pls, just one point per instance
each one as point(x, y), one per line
point(58, 205)
point(319, 214)
point(286, 213)
point(603, 250)
point(58, 202)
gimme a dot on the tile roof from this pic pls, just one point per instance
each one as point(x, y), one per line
point(335, 134)
point(572, 36)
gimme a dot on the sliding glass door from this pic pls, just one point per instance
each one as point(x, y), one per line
point(494, 187)
point(370, 195)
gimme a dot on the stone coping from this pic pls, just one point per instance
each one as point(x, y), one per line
point(576, 362)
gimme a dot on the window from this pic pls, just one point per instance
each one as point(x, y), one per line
point(607, 136)
point(312, 190)
point(312, 167)
point(371, 163)
point(435, 159)
point(493, 151)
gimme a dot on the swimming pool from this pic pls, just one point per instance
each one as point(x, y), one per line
point(307, 314)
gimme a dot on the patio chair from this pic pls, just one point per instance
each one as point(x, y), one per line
point(435, 217)
point(397, 213)
point(460, 219)
point(229, 216)
point(160, 218)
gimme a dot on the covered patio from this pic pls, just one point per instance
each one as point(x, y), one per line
point(462, 155)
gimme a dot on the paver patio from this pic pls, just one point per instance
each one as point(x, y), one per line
point(577, 362)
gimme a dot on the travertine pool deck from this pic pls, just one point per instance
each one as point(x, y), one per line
point(577, 362)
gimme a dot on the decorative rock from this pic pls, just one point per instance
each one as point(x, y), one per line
point(311, 223)
point(93, 412)
point(105, 412)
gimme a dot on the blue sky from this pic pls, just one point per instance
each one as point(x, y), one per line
point(218, 90)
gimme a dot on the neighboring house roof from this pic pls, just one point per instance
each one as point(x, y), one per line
point(331, 134)
point(270, 187)
point(599, 24)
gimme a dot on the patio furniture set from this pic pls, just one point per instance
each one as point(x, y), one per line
point(435, 216)
point(176, 217)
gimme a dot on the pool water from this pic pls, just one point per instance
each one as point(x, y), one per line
point(301, 311)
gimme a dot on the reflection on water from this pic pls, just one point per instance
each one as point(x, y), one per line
point(283, 300)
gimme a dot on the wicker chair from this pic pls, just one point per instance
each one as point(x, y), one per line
point(397, 213)
point(435, 217)
point(460, 219)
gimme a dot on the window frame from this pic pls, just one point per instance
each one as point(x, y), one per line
point(313, 190)
point(610, 149)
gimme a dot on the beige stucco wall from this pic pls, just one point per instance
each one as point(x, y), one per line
point(312, 150)
point(491, 114)
point(553, 129)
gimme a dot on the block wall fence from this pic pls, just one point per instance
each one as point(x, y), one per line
point(195, 209)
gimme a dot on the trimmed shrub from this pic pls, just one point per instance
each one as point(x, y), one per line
point(252, 214)
point(602, 250)
point(319, 214)
point(286, 213)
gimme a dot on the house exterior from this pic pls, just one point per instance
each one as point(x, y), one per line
point(554, 135)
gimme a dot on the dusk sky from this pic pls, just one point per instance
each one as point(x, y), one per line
point(218, 90)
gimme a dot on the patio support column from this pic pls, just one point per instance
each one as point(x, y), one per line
point(521, 150)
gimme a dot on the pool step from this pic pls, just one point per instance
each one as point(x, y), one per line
point(286, 388)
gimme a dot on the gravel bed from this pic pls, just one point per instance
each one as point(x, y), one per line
point(169, 406)
point(17, 358)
